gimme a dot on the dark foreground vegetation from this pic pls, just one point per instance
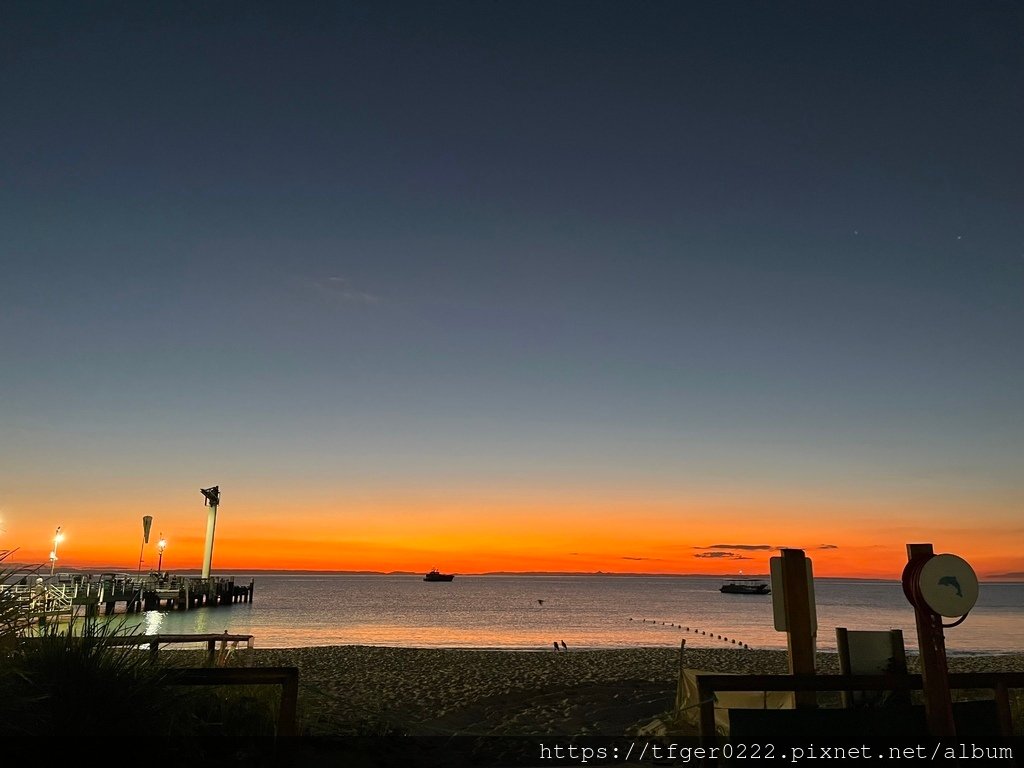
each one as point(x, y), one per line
point(74, 685)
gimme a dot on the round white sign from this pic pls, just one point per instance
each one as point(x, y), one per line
point(948, 585)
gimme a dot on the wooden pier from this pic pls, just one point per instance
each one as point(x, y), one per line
point(152, 593)
point(149, 593)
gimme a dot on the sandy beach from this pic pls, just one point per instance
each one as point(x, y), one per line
point(378, 690)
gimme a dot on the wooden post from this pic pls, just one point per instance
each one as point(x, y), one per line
point(286, 727)
point(799, 632)
point(706, 699)
point(938, 703)
point(679, 682)
point(843, 651)
point(1002, 697)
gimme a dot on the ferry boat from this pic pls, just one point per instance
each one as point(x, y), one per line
point(436, 575)
point(745, 587)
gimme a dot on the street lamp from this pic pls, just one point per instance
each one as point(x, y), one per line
point(160, 547)
point(58, 537)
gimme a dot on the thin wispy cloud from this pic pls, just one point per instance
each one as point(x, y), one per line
point(721, 556)
point(763, 547)
point(340, 289)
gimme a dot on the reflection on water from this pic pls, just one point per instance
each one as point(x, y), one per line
point(582, 611)
point(152, 621)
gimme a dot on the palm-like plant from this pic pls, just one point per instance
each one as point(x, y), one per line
point(79, 680)
point(14, 619)
point(63, 679)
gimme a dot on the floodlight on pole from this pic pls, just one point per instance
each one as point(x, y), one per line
point(160, 547)
point(58, 537)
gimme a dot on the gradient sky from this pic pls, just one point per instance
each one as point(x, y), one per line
point(513, 286)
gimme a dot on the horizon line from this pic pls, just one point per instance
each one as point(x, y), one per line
point(1005, 577)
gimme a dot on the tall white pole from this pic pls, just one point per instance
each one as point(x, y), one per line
point(211, 524)
point(212, 500)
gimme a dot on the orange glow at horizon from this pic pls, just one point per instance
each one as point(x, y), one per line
point(484, 534)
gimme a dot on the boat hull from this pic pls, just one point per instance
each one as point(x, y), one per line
point(439, 577)
point(744, 589)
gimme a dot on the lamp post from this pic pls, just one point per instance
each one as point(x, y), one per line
point(160, 547)
point(58, 537)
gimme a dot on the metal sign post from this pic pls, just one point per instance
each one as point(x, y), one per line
point(937, 586)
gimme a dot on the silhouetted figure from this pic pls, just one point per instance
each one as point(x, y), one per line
point(541, 602)
point(38, 599)
point(563, 646)
point(555, 644)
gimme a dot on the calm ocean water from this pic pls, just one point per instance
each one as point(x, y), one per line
point(583, 611)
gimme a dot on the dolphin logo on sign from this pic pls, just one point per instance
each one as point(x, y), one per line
point(947, 585)
point(950, 581)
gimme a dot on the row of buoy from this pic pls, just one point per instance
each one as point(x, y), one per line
point(696, 631)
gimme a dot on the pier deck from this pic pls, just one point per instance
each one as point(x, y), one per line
point(55, 599)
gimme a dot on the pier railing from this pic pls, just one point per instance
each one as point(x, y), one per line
point(41, 600)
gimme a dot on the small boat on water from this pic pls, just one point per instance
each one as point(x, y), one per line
point(745, 587)
point(436, 575)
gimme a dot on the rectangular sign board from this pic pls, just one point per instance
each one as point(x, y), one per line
point(779, 596)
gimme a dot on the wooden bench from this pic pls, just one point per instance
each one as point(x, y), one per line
point(286, 677)
point(998, 682)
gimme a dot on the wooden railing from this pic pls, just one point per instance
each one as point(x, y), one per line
point(52, 599)
point(286, 677)
point(211, 639)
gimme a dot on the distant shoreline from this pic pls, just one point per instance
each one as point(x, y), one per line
point(20, 568)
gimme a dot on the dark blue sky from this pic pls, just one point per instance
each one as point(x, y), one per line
point(656, 246)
